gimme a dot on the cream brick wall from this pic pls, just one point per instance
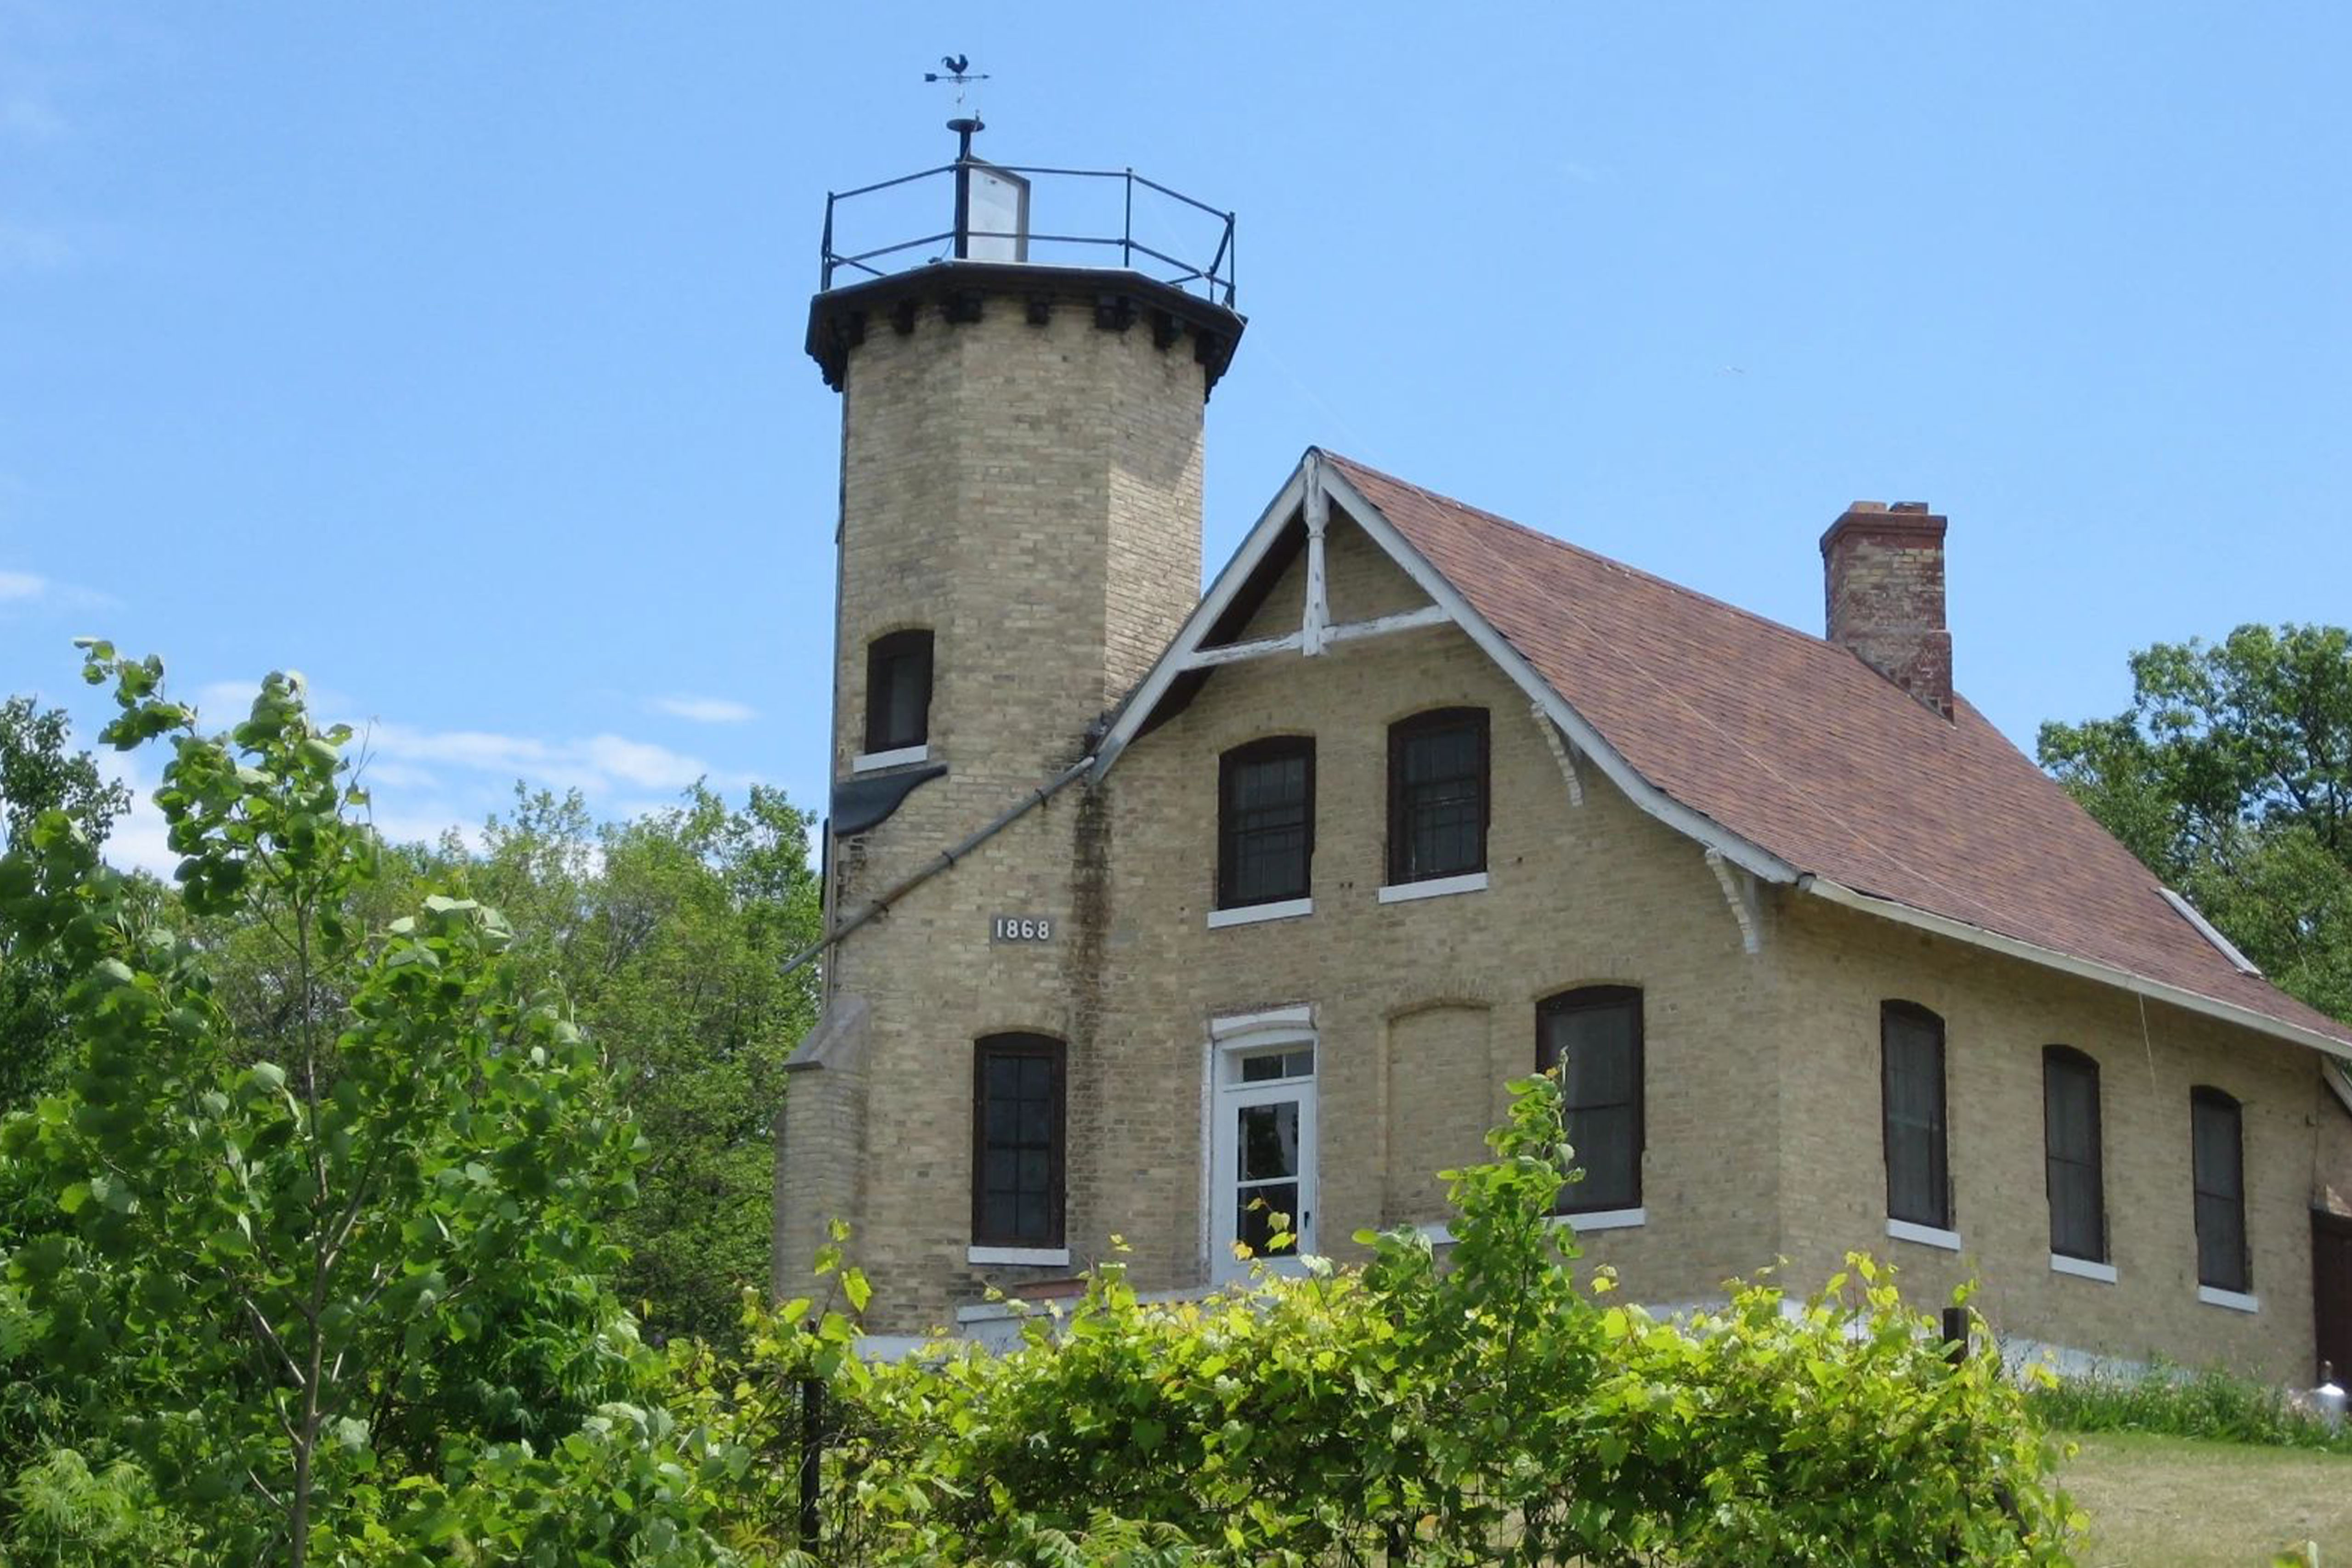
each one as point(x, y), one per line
point(1998, 1013)
point(1763, 1135)
point(1030, 492)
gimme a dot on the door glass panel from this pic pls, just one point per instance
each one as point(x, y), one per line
point(1269, 1141)
point(1254, 1211)
point(1268, 1066)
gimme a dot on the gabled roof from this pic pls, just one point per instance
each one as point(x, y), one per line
point(1784, 753)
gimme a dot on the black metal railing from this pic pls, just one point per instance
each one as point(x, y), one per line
point(1173, 222)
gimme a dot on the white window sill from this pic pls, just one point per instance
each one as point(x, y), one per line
point(1435, 887)
point(2082, 1268)
point(1441, 1234)
point(2236, 1301)
point(1925, 1235)
point(1034, 1257)
point(874, 762)
point(1250, 914)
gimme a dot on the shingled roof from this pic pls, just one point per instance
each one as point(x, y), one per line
point(1782, 752)
point(1796, 746)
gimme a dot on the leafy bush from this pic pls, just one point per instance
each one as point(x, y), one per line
point(2210, 1402)
point(1493, 1409)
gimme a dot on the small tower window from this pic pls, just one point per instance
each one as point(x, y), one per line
point(898, 691)
point(1265, 821)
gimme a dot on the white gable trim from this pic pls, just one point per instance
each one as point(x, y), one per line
point(1316, 483)
point(2067, 964)
point(1131, 713)
point(1588, 740)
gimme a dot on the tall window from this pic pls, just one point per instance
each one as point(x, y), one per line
point(1594, 1038)
point(1017, 1141)
point(1265, 821)
point(898, 690)
point(1437, 795)
point(1911, 1088)
point(2072, 1163)
point(2216, 1153)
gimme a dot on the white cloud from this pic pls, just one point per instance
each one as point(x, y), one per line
point(704, 710)
point(137, 840)
point(597, 766)
point(27, 588)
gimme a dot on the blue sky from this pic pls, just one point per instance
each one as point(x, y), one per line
point(451, 351)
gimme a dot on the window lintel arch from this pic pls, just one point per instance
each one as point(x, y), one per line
point(1427, 714)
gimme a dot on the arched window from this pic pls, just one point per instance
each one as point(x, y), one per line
point(1911, 1091)
point(2218, 1160)
point(898, 690)
point(1017, 1141)
point(1437, 795)
point(2075, 1169)
point(1593, 1036)
point(1265, 821)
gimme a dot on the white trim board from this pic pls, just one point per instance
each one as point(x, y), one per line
point(1433, 887)
point(1024, 1257)
point(870, 762)
point(2050, 958)
point(1924, 1234)
point(1253, 914)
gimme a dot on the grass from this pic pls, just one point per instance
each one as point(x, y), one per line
point(2175, 1402)
point(2158, 1502)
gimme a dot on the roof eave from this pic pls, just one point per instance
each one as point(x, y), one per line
point(2068, 963)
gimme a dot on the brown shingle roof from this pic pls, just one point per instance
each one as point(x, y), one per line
point(1794, 744)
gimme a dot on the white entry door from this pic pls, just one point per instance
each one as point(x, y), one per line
point(1261, 1162)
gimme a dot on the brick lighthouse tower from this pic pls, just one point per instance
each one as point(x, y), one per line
point(1019, 538)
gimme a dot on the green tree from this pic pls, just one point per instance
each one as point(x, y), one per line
point(293, 1275)
point(39, 773)
point(668, 935)
point(2231, 776)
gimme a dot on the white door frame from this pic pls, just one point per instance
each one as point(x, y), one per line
point(1232, 1041)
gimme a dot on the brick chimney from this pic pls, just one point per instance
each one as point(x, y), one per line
point(1883, 570)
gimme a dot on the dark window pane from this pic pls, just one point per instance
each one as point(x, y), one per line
point(2216, 1153)
point(1593, 1039)
point(897, 691)
point(1918, 1186)
point(1265, 822)
point(1604, 1144)
point(1004, 1077)
point(1254, 1211)
point(2069, 1120)
point(1437, 788)
point(1017, 1130)
point(1269, 1141)
point(1268, 1067)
